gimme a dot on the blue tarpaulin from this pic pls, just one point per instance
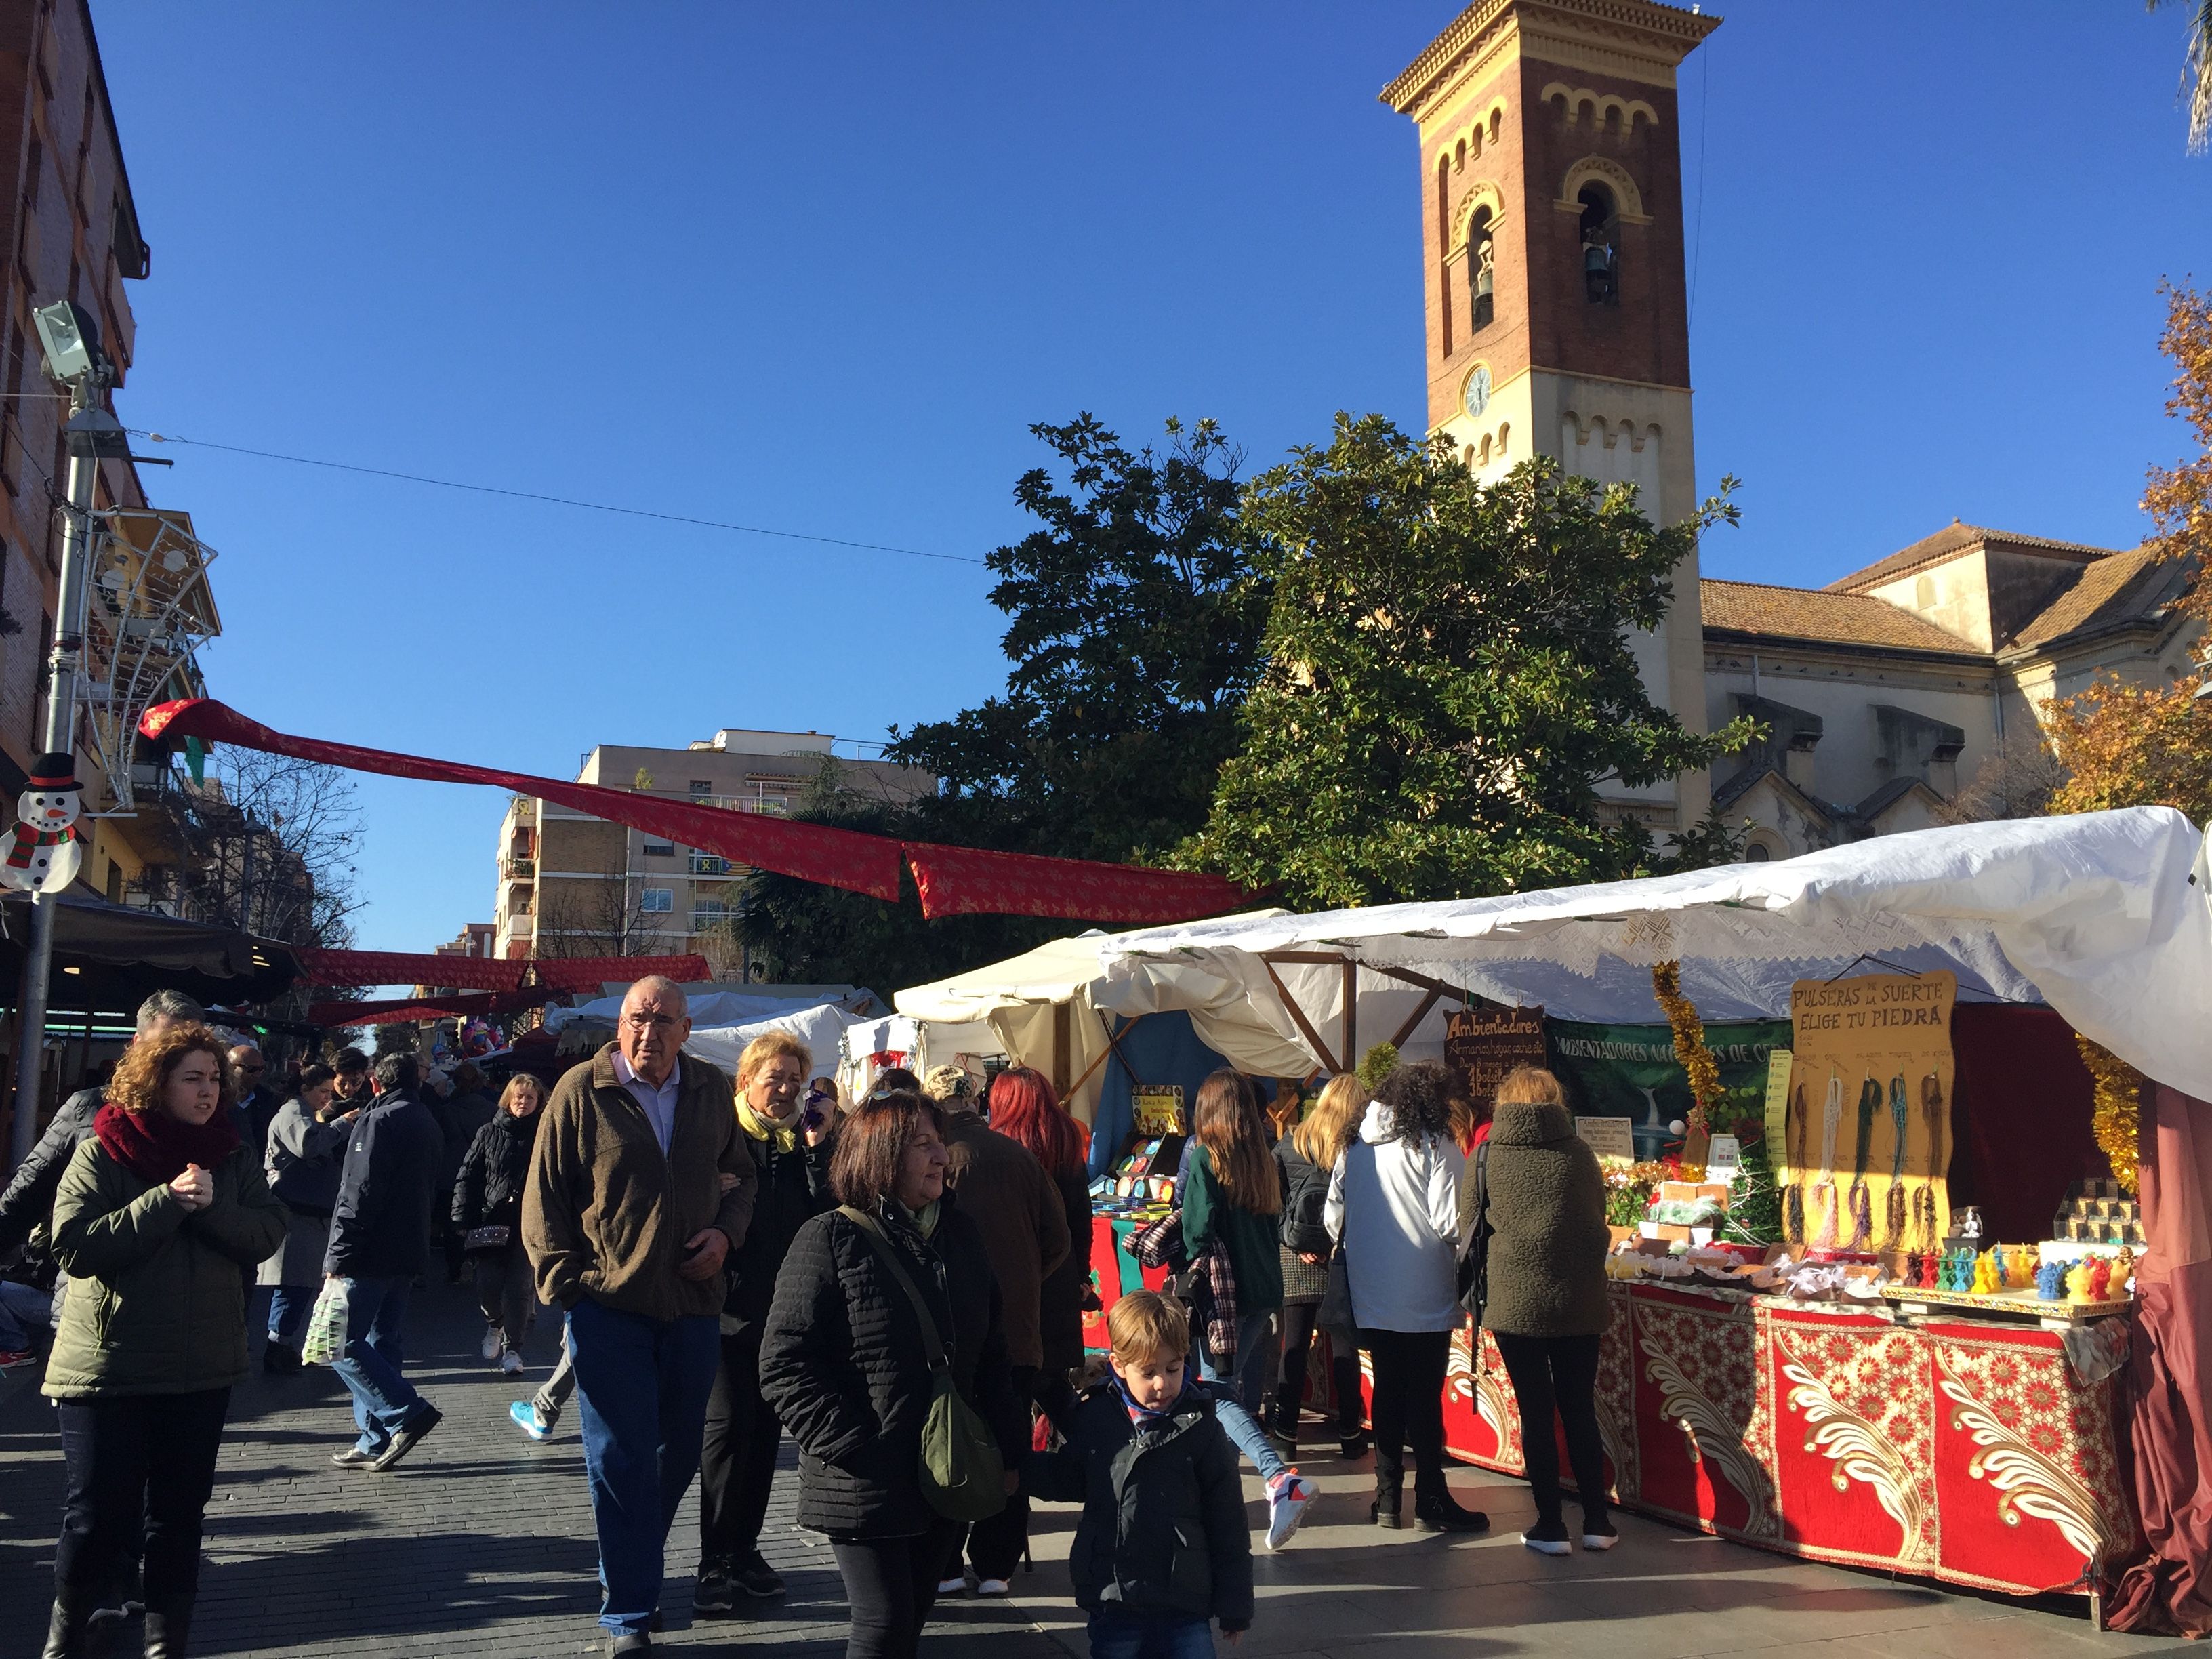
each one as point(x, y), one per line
point(1165, 1052)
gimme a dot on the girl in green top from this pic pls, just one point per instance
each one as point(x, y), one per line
point(1232, 1198)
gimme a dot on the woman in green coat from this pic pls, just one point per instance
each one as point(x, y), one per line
point(160, 1218)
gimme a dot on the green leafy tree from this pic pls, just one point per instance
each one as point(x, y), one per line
point(1135, 620)
point(1134, 623)
point(1450, 680)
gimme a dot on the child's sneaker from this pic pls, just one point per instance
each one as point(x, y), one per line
point(1548, 1538)
point(510, 1364)
point(1598, 1533)
point(9, 1359)
point(527, 1419)
point(1288, 1494)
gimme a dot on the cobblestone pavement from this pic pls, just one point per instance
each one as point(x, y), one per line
point(480, 1547)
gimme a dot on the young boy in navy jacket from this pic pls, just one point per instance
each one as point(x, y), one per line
point(1162, 1550)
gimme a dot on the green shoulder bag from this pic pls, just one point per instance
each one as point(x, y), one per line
point(962, 1474)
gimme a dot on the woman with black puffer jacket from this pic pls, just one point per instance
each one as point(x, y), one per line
point(843, 1363)
point(487, 1202)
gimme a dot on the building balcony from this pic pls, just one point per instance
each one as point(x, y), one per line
point(707, 864)
point(512, 868)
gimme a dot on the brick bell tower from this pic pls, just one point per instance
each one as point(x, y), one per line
point(1551, 243)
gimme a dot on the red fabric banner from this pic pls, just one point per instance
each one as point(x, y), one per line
point(952, 880)
point(492, 973)
point(392, 1010)
point(812, 851)
point(958, 881)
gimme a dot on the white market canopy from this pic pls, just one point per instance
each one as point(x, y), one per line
point(2104, 916)
point(1038, 1006)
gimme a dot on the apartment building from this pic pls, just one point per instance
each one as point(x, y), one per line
point(575, 885)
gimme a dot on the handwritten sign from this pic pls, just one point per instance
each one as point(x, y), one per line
point(1609, 1137)
point(1483, 1044)
point(1157, 1110)
point(1777, 1109)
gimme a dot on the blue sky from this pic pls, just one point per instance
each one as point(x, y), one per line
point(818, 267)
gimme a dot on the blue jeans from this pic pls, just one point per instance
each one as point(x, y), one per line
point(1240, 1391)
point(643, 1384)
point(1116, 1634)
point(289, 1308)
point(384, 1402)
point(24, 1310)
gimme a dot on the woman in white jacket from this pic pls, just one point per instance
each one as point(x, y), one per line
point(1394, 1209)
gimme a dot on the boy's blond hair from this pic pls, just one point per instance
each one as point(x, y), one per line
point(1144, 1325)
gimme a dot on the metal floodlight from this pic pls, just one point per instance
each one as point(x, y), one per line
point(68, 339)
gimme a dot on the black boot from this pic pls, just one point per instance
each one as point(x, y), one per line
point(167, 1625)
point(1437, 1510)
point(1389, 1490)
point(1284, 1424)
point(69, 1631)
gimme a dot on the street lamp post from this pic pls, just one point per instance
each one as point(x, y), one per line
point(69, 340)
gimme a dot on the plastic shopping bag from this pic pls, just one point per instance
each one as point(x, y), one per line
point(326, 1326)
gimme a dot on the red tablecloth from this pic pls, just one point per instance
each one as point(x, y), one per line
point(1963, 1451)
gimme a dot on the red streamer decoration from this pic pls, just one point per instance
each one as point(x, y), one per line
point(411, 1009)
point(952, 880)
point(562, 974)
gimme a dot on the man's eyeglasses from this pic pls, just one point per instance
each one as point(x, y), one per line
point(650, 1022)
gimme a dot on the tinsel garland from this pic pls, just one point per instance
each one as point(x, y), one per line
point(2113, 1118)
point(1697, 1060)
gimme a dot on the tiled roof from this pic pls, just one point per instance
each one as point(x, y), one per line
point(1823, 616)
point(2120, 588)
point(1952, 539)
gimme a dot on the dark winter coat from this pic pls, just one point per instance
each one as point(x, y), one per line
point(1059, 1298)
point(1253, 1241)
point(380, 1225)
point(1163, 1529)
point(794, 1188)
point(259, 1110)
point(461, 1118)
point(495, 1173)
point(1015, 1206)
point(29, 1203)
point(843, 1365)
point(608, 1213)
point(1547, 1200)
point(156, 1301)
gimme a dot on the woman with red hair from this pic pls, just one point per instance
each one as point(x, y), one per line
point(1024, 1109)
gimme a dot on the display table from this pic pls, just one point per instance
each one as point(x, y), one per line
point(1960, 1450)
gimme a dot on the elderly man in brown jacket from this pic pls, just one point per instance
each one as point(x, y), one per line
point(1006, 1192)
point(627, 1218)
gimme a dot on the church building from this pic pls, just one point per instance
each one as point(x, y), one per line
point(1557, 324)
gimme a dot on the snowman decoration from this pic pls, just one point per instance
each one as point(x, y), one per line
point(46, 849)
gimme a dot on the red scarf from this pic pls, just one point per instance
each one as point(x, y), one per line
point(155, 1148)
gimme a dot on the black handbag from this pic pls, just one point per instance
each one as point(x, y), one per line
point(1475, 1259)
point(1336, 1312)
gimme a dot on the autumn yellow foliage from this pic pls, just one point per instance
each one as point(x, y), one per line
point(2123, 746)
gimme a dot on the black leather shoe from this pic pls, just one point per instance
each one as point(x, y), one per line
point(1383, 1511)
point(1437, 1511)
point(69, 1627)
point(408, 1439)
point(353, 1457)
point(637, 1642)
point(167, 1629)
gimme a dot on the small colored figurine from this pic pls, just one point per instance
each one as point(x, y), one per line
point(2001, 1266)
point(1912, 1275)
point(2050, 1281)
point(1947, 1271)
point(1985, 1273)
point(1931, 1267)
point(2077, 1282)
point(2100, 1278)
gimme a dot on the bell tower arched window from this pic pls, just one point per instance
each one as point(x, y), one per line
point(1600, 227)
point(1481, 269)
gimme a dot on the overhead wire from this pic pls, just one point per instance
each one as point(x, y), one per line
point(554, 500)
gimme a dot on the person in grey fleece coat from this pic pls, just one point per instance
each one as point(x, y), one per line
point(1546, 1304)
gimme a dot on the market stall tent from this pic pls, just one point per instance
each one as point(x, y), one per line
point(2105, 918)
point(1038, 1006)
